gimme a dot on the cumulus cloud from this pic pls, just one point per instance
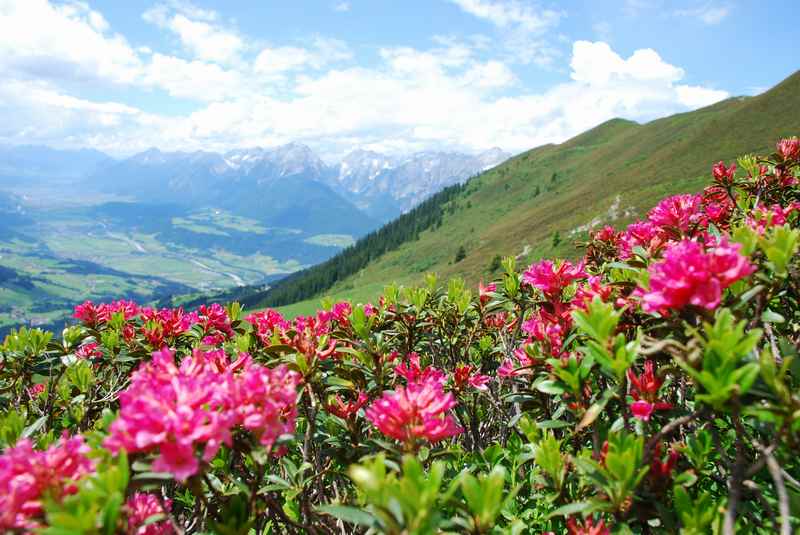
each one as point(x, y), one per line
point(68, 42)
point(456, 95)
point(198, 31)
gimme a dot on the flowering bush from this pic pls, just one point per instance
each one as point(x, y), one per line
point(649, 387)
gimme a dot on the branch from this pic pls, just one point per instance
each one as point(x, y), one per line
point(670, 428)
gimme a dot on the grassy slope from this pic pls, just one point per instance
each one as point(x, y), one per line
point(500, 214)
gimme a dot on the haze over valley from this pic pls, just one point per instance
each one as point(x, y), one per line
point(78, 224)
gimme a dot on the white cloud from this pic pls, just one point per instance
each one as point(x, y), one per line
point(597, 64)
point(693, 96)
point(196, 80)
point(510, 13)
point(321, 52)
point(457, 95)
point(709, 14)
point(198, 32)
point(524, 27)
point(67, 42)
point(341, 6)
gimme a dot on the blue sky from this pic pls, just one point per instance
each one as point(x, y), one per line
point(380, 74)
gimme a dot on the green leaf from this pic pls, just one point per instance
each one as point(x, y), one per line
point(348, 514)
point(571, 509)
point(34, 427)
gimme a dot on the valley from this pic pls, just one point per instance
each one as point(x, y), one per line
point(79, 225)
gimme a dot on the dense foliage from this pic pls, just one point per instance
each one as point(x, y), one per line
point(651, 387)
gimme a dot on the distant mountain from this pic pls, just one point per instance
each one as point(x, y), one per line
point(385, 187)
point(540, 203)
point(290, 185)
point(278, 187)
point(37, 162)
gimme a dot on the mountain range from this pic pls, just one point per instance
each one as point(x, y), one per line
point(290, 185)
point(543, 202)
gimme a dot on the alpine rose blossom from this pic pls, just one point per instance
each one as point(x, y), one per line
point(691, 275)
point(142, 506)
point(178, 409)
point(789, 148)
point(346, 409)
point(640, 234)
point(26, 475)
point(264, 400)
point(466, 375)
point(642, 410)
point(551, 280)
point(679, 212)
point(417, 411)
point(723, 175)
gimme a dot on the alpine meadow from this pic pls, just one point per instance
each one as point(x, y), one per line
point(419, 268)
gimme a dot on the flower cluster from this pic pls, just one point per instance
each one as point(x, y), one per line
point(176, 409)
point(692, 273)
point(416, 411)
point(28, 475)
point(141, 507)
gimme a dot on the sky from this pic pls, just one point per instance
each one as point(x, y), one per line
point(386, 75)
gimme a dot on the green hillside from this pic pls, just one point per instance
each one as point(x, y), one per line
point(539, 203)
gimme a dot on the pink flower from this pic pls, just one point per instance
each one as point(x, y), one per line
point(341, 311)
point(264, 401)
point(551, 280)
point(640, 234)
point(549, 328)
point(418, 411)
point(521, 364)
point(691, 275)
point(789, 148)
point(266, 323)
point(347, 409)
point(644, 390)
point(89, 351)
point(26, 475)
point(607, 234)
point(411, 371)
point(177, 410)
point(89, 314)
point(508, 369)
point(165, 324)
point(128, 309)
point(642, 409)
point(723, 175)
point(593, 287)
point(681, 213)
point(485, 292)
point(465, 375)
point(370, 310)
point(762, 217)
point(214, 317)
point(35, 390)
point(142, 506)
point(93, 315)
point(588, 527)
